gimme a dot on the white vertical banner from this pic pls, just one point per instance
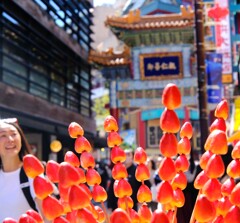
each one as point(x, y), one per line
point(223, 38)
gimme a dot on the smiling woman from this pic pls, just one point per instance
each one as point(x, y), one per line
point(13, 146)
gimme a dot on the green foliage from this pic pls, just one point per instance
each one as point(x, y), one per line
point(100, 110)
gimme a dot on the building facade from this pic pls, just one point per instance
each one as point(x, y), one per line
point(234, 8)
point(147, 32)
point(153, 41)
point(45, 77)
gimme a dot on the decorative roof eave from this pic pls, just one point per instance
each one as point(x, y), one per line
point(109, 58)
point(134, 21)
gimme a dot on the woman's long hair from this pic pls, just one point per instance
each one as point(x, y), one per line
point(26, 148)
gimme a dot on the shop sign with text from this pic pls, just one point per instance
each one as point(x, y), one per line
point(155, 66)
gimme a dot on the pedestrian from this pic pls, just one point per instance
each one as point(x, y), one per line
point(190, 192)
point(157, 180)
point(101, 168)
point(131, 169)
point(13, 146)
point(152, 169)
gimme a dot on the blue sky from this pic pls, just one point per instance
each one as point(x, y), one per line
point(101, 2)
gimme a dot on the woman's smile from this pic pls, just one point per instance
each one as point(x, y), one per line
point(11, 147)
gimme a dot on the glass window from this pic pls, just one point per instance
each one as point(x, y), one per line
point(54, 5)
point(43, 66)
point(56, 99)
point(85, 111)
point(85, 11)
point(38, 78)
point(59, 23)
point(57, 66)
point(15, 38)
point(69, 13)
point(41, 4)
point(38, 66)
point(39, 54)
point(71, 87)
point(74, 27)
point(75, 78)
point(84, 36)
point(84, 102)
point(68, 31)
point(57, 88)
point(85, 84)
point(72, 105)
point(38, 44)
point(9, 18)
point(74, 36)
point(14, 80)
point(72, 92)
point(58, 53)
point(38, 91)
point(84, 27)
point(57, 78)
point(68, 21)
point(80, 14)
point(72, 97)
point(84, 45)
point(159, 134)
point(14, 66)
point(13, 50)
point(154, 134)
point(85, 93)
point(84, 74)
point(86, 21)
point(53, 15)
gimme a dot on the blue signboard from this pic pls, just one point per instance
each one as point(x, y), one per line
point(156, 113)
point(214, 77)
point(161, 65)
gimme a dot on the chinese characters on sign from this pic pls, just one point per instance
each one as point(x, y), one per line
point(219, 13)
point(164, 66)
point(161, 66)
point(225, 48)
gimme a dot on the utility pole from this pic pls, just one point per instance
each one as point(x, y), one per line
point(238, 90)
point(201, 73)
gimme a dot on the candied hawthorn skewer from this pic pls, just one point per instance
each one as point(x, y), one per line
point(212, 164)
point(169, 194)
point(122, 189)
point(144, 194)
point(92, 177)
point(43, 188)
point(179, 182)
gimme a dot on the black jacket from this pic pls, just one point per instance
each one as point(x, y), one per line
point(112, 200)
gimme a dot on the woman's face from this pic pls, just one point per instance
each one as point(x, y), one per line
point(10, 141)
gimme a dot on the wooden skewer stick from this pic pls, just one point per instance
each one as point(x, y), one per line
point(126, 203)
point(105, 212)
point(174, 218)
point(192, 219)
